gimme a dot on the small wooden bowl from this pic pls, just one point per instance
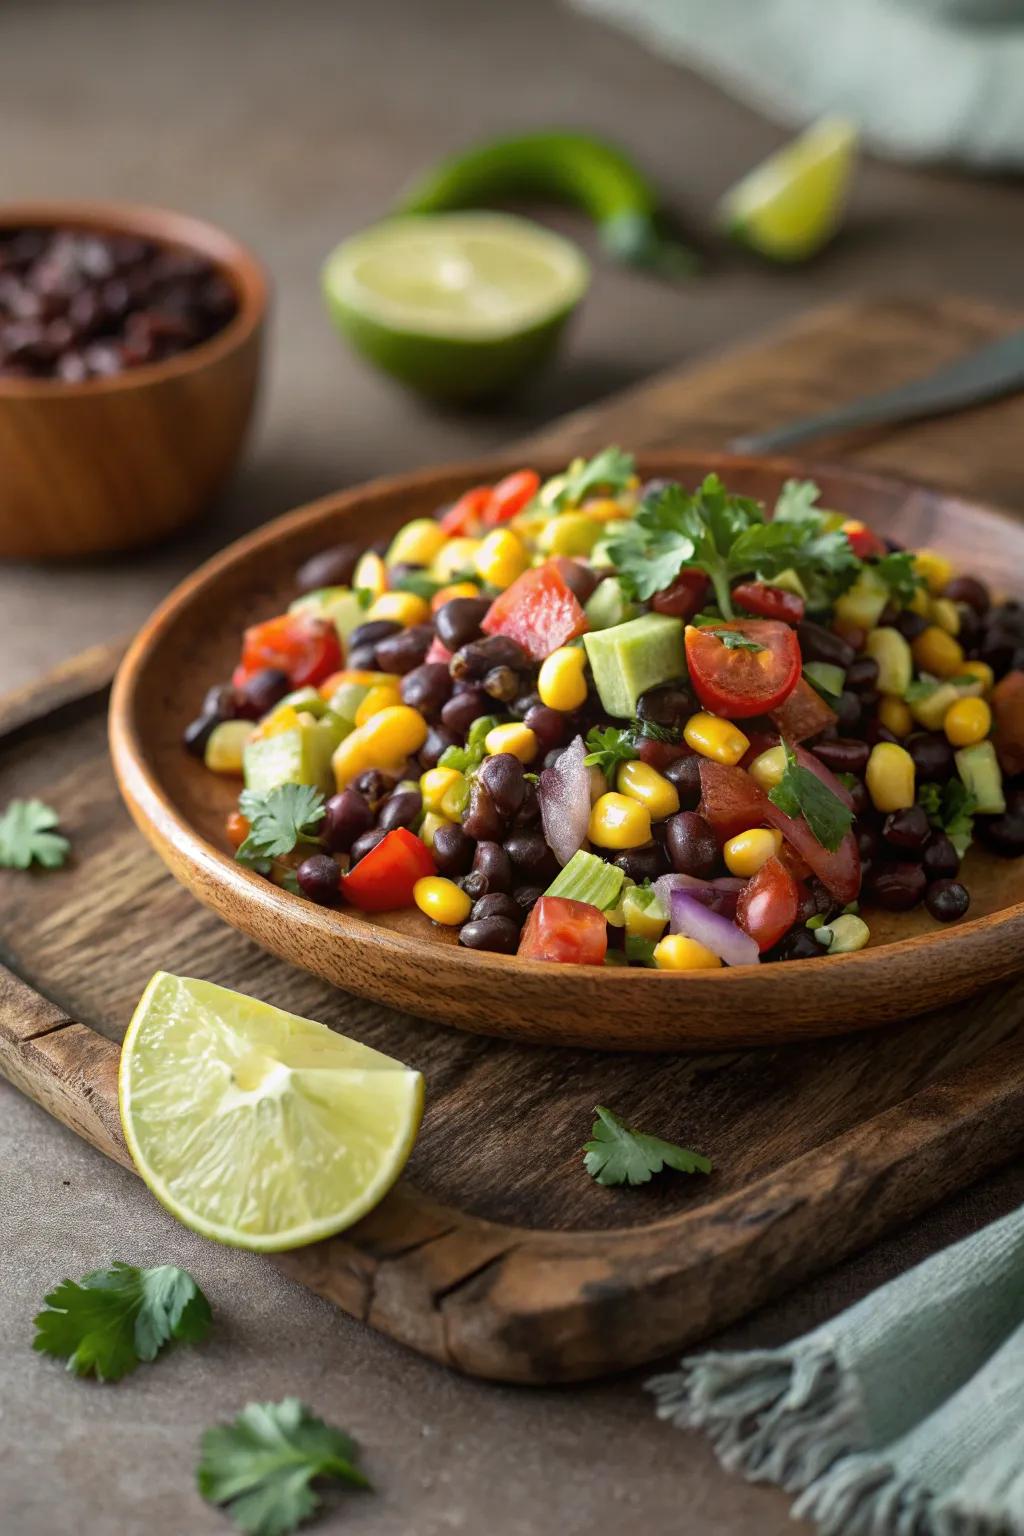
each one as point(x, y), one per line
point(119, 462)
point(913, 963)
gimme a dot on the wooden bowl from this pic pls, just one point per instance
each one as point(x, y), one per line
point(193, 640)
point(110, 464)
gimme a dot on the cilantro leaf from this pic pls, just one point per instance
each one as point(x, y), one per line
point(610, 470)
point(468, 758)
point(734, 641)
point(950, 808)
point(619, 1155)
point(261, 1466)
point(796, 503)
point(278, 821)
point(26, 835)
point(801, 793)
point(417, 582)
point(897, 571)
point(113, 1318)
point(607, 748)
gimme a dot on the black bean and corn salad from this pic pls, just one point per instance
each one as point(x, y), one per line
point(597, 721)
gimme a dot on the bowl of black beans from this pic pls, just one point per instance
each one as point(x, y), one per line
point(130, 343)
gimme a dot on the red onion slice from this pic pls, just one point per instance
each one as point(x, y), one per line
point(692, 918)
point(814, 765)
point(720, 895)
point(564, 794)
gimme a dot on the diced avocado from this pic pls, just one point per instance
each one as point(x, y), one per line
point(861, 605)
point(339, 604)
point(890, 650)
point(629, 658)
point(588, 878)
point(608, 605)
point(301, 755)
point(979, 770)
point(346, 699)
point(308, 699)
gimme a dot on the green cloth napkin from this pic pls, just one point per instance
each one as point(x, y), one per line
point(903, 1416)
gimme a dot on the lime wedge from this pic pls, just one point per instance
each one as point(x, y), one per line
point(456, 305)
point(791, 205)
point(253, 1126)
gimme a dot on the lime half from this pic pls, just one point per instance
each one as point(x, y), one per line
point(455, 305)
point(253, 1126)
point(792, 204)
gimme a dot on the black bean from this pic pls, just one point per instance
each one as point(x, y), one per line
point(319, 878)
point(474, 884)
point(862, 674)
point(436, 745)
point(482, 819)
point(969, 590)
point(260, 692)
point(907, 830)
point(888, 616)
point(551, 758)
point(580, 578)
point(348, 817)
point(998, 646)
point(1004, 834)
point(427, 688)
point(911, 624)
point(933, 756)
point(400, 653)
point(548, 725)
point(365, 844)
point(526, 897)
point(530, 855)
point(969, 632)
point(947, 900)
point(820, 644)
point(669, 705)
point(692, 846)
point(844, 754)
point(684, 773)
point(361, 658)
point(475, 660)
point(372, 632)
point(462, 709)
point(400, 809)
point(497, 904)
point(645, 863)
point(875, 731)
point(501, 683)
point(529, 811)
point(522, 704)
point(798, 944)
point(198, 732)
point(848, 708)
point(374, 785)
point(491, 861)
point(497, 934)
point(458, 621)
point(868, 840)
point(502, 776)
point(941, 860)
point(453, 850)
point(897, 887)
point(222, 701)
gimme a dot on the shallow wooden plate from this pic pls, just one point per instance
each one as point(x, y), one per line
point(192, 641)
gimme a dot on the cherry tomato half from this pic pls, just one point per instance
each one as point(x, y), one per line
point(684, 597)
point(568, 932)
point(738, 681)
point(538, 610)
point(767, 904)
point(769, 602)
point(307, 648)
point(510, 496)
point(464, 515)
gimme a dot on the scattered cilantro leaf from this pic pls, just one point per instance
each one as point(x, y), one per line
point(797, 503)
point(734, 641)
point(27, 836)
point(617, 1154)
point(655, 732)
point(468, 758)
point(950, 808)
point(365, 596)
point(921, 688)
point(801, 793)
point(261, 1466)
point(639, 950)
point(417, 582)
point(109, 1321)
point(290, 882)
point(278, 821)
point(610, 470)
point(609, 747)
point(897, 571)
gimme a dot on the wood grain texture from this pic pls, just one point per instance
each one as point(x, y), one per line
point(120, 462)
point(496, 1254)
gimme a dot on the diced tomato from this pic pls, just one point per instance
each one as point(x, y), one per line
point(437, 651)
point(511, 496)
point(383, 879)
point(803, 715)
point(767, 904)
point(865, 544)
point(308, 649)
point(538, 610)
point(839, 872)
point(568, 932)
point(794, 862)
point(739, 682)
point(660, 753)
point(683, 597)
point(464, 515)
point(769, 602)
point(1008, 712)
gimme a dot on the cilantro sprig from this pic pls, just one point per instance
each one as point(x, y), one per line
point(279, 821)
point(801, 793)
point(261, 1467)
point(27, 836)
point(898, 573)
point(612, 745)
point(617, 1154)
point(950, 809)
point(112, 1319)
point(610, 470)
point(467, 759)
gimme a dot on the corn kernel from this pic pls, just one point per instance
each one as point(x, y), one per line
point(370, 574)
point(895, 715)
point(935, 569)
point(649, 787)
point(457, 555)
point(619, 821)
point(455, 800)
point(946, 615)
point(384, 742)
point(938, 653)
point(515, 737)
point(982, 671)
point(441, 900)
point(571, 533)
point(561, 681)
point(605, 510)
point(501, 558)
point(435, 784)
point(890, 777)
point(747, 851)
point(403, 608)
point(677, 953)
point(718, 739)
point(418, 543)
point(767, 769)
point(455, 589)
point(643, 915)
point(383, 696)
point(920, 603)
point(429, 825)
point(224, 749)
point(967, 721)
point(889, 649)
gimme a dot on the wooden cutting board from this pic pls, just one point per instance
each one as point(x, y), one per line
point(496, 1254)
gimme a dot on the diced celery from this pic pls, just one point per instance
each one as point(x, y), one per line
point(862, 604)
point(301, 755)
point(890, 650)
point(309, 700)
point(588, 878)
point(981, 775)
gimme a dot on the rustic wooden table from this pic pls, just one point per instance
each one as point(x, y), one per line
point(293, 125)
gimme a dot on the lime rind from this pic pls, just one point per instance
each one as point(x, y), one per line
point(791, 205)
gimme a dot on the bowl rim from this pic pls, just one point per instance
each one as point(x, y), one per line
point(166, 226)
point(150, 802)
